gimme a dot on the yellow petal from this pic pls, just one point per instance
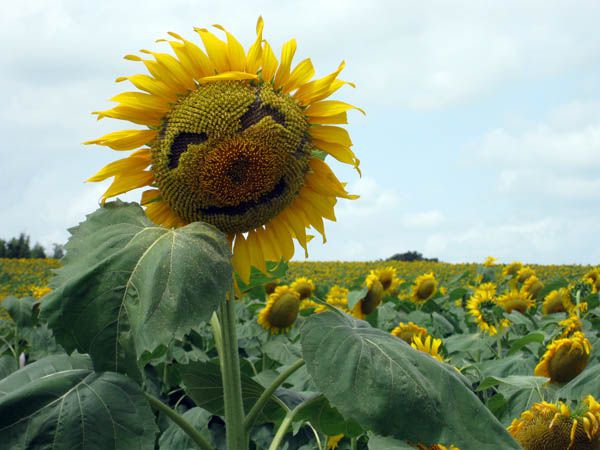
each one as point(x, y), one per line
point(192, 58)
point(337, 135)
point(268, 245)
point(126, 139)
point(340, 118)
point(329, 108)
point(324, 181)
point(319, 203)
point(150, 196)
point(269, 63)
point(338, 151)
point(160, 73)
point(229, 76)
point(216, 49)
point(241, 258)
point(280, 233)
point(161, 213)
point(318, 88)
point(255, 52)
point(142, 101)
point(127, 183)
point(296, 223)
point(287, 54)
point(125, 166)
point(257, 259)
point(174, 68)
point(140, 116)
point(301, 74)
point(313, 217)
point(152, 86)
point(235, 52)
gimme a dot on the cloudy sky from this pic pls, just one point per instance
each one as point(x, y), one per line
point(482, 134)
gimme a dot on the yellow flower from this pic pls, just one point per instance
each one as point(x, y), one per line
point(387, 277)
point(559, 300)
point(372, 299)
point(270, 287)
point(281, 310)
point(232, 138)
point(512, 269)
point(570, 325)
point(532, 286)
point(406, 331)
point(565, 358)
point(39, 291)
point(524, 273)
point(424, 287)
point(304, 286)
point(333, 441)
point(593, 278)
point(490, 261)
point(482, 305)
point(547, 426)
point(429, 345)
point(516, 300)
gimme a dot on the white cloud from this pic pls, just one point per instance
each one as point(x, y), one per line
point(425, 219)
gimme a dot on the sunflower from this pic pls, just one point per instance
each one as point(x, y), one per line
point(334, 441)
point(337, 297)
point(428, 345)
point(424, 287)
point(490, 261)
point(565, 358)
point(234, 139)
point(516, 300)
point(570, 325)
point(524, 273)
point(281, 310)
point(270, 286)
point(388, 278)
point(593, 278)
point(512, 269)
point(484, 308)
point(532, 286)
point(406, 331)
point(548, 426)
point(38, 292)
point(372, 299)
point(559, 300)
point(304, 286)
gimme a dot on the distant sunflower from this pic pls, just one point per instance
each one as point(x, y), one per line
point(559, 300)
point(546, 426)
point(281, 310)
point(485, 309)
point(570, 325)
point(372, 299)
point(515, 300)
point(40, 291)
point(424, 287)
point(304, 286)
point(337, 297)
point(532, 286)
point(490, 261)
point(565, 358)
point(593, 278)
point(406, 331)
point(428, 345)
point(232, 138)
point(524, 273)
point(512, 269)
point(387, 277)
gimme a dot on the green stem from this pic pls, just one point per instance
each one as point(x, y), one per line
point(287, 421)
point(266, 395)
point(180, 422)
point(237, 438)
point(353, 442)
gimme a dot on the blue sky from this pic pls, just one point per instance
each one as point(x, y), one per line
point(482, 134)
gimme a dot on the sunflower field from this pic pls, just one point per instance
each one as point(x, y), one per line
point(178, 322)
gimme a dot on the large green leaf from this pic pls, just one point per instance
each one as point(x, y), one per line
point(51, 405)
point(328, 420)
point(20, 310)
point(386, 386)
point(202, 382)
point(387, 443)
point(125, 277)
point(586, 383)
point(8, 364)
point(174, 438)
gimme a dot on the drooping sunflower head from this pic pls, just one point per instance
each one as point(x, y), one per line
point(518, 300)
point(387, 277)
point(570, 325)
point(547, 426)
point(281, 310)
point(524, 273)
point(512, 269)
point(565, 358)
point(406, 331)
point(232, 138)
point(271, 286)
point(593, 278)
point(424, 287)
point(559, 300)
point(372, 298)
point(304, 286)
point(532, 286)
point(428, 345)
point(483, 306)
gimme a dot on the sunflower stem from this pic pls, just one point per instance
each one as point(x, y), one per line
point(179, 421)
point(287, 421)
point(266, 395)
point(353, 442)
point(237, 438)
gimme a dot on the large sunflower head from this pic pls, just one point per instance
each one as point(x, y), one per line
point(428, 345)
point(281, 310)
point(372, 298)
point(406, 331)
point(516, 300)
point(548, 426)
point(485, 309)
point(565, 358)
point(232, 138)
point(424, 287)
point(304, 286)
point(559, 300)
point(387, 277)
point(532, 286)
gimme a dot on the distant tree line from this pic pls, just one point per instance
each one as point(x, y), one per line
point(20, 247)
point(411, 256)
